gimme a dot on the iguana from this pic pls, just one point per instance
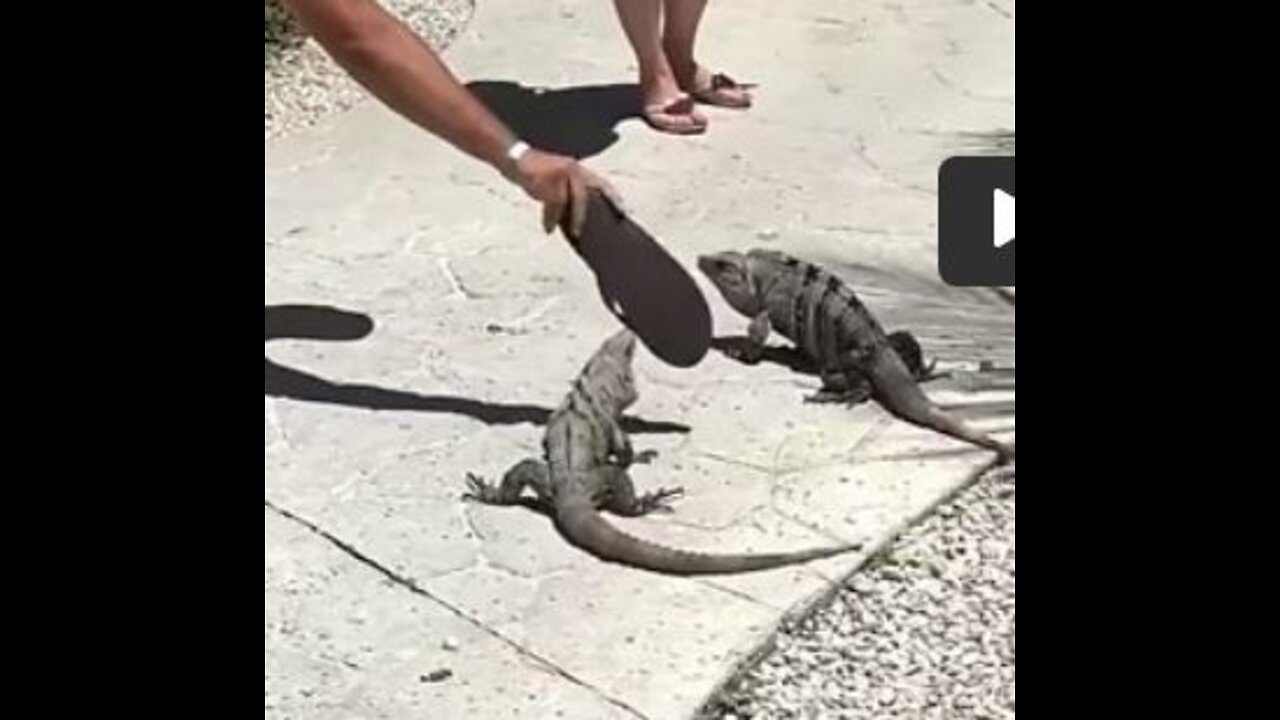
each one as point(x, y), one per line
point(586, 457)
point(819, 312)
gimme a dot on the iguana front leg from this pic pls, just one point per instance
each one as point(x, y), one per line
point(622, 453)
point(752, 350)
point(530, 473)
point(621, 498)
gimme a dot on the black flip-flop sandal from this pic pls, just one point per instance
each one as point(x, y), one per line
point(644, 286)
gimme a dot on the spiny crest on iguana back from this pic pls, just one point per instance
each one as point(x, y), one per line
point(746, 279)
point(607, 378)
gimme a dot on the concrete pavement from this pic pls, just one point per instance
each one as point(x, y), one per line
point(440, 328)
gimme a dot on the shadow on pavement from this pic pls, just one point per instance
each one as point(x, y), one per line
point(575, 121)
point(313, 322)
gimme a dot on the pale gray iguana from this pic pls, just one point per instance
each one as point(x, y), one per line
point(819, 312)
point(586, 457)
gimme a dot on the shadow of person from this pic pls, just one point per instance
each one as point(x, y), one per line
point(574, 121)
point(315, 322)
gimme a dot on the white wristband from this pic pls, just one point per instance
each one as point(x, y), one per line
point(517, 151)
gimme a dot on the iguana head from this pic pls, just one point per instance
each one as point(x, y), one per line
point(730, 272)
point(608, 373)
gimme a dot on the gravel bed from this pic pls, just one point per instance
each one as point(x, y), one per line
point(924, 632)
point(303, 85)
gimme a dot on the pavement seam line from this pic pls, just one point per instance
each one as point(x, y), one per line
point(413, 587)
point(745, 597)
point(823, 596)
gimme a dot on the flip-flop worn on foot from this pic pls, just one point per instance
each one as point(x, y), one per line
point(677, 116)
point(721, 90)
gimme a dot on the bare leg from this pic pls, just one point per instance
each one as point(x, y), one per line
point(679, 36)
point(642, 23)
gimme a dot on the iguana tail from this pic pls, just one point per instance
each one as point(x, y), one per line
point(585, 528)
point(899, 393)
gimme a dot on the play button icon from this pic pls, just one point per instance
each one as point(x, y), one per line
point(976, 221)
point(1002, 211)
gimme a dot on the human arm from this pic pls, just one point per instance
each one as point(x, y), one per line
point(386, 57)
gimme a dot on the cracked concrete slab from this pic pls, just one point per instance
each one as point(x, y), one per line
point(462, 325)
point(345, 641)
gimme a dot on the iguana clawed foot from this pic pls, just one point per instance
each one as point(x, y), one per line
point(480, 490)
point(927, 374)
point(658, 500)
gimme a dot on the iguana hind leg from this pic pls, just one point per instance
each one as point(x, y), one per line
point(622, 500)
point(529, 473)
point(845, 385)
point(908, 348)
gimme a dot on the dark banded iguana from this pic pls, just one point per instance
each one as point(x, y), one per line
point(820, 313)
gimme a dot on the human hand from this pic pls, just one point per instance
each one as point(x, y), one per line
point(561, 184)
